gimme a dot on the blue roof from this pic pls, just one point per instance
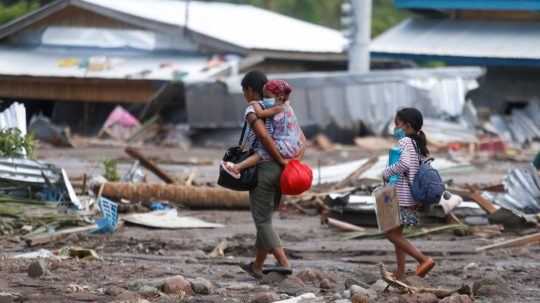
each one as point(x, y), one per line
point(469, 42)
point(527, 5)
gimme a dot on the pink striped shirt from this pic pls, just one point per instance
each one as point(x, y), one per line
point(406, 168)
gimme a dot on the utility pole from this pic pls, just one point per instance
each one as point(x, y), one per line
point(356, 21)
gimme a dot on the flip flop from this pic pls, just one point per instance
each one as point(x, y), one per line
point(227, 167)
point(425, 267)
point(277, 268)
point(248, 267)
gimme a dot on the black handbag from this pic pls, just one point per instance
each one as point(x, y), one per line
point(248, 177)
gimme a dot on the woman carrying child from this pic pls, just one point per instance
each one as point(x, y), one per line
point(265, 197)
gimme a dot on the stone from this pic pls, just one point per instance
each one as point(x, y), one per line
point(355, 289)
point(202, 286)
point(379, 286)
point(273, 278)
point(419, 298)
point(360, 298)
point(314, 276)
point(37, 268)
point(265, 297)
point(128, 296)
point(491, 286)
point(177, 285)
point(343, 301)
point(347, 294)
point(292, 286)
point(455, 298)
point(326, 284)
point(147, 290)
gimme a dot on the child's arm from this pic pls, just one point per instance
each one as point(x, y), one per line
point(408, 155)
point(266, 113)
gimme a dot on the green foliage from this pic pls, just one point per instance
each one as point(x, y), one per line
point(10, 12)
point(324, 12)
point(111, 170)
point(12, 143)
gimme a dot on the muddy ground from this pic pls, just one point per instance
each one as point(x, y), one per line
point(135, 254)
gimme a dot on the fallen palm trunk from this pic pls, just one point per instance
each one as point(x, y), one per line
point(195, 197)
point(439, 292)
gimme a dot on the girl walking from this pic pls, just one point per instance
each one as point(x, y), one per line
point(413, 147)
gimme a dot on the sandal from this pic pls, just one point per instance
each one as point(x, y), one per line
point(425, 267)
point(277, 268)
point(249, 269)
point(228, 167)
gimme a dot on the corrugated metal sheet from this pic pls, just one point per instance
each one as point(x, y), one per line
point(461, 38)
point(242, 25)
point(341, 98)
point(108, 64)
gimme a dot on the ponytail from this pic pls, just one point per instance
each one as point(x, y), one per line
point(421, 142)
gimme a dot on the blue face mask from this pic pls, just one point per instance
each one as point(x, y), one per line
point(399, 133)
point(268, 102)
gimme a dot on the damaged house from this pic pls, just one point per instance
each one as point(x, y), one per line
point(74, 60)
point(500, 35)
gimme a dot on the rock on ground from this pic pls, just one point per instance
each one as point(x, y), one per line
point(265, 297)
point(491, 286)
point(326, 284)
point(177, 285)
point(202, 286)
point(37, 268)
point(292, 286)
point(457, 299)
point(379, 286)
point(419, 298)
point(360, 298)
point(355, 289)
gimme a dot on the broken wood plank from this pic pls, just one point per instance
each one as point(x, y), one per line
point(486, 205)
point(521, 241)
point(47, 238)
point(195, 197)
point(151, 166)
point(404, 287)
point(219, 250)
point(344, 226)
point(357, 173)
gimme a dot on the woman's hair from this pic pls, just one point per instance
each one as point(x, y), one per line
point(414, 117)
point(255, 80)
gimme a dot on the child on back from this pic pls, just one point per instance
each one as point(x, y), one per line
point(287, 134)
point(413, 147)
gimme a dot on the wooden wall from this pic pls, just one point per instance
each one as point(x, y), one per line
point(80, 90)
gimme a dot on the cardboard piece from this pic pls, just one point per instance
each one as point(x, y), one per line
point(387, 208)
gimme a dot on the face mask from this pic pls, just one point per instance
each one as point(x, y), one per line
point(269, 102)
point(399, 133)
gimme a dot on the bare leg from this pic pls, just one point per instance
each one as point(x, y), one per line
point(260, 256)
point(396, 237)
point(281, 257)
point(400, 259)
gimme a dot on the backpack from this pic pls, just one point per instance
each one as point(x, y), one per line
point(427, 187)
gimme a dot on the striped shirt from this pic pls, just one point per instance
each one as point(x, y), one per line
point(406, 168)
point(251, 141)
